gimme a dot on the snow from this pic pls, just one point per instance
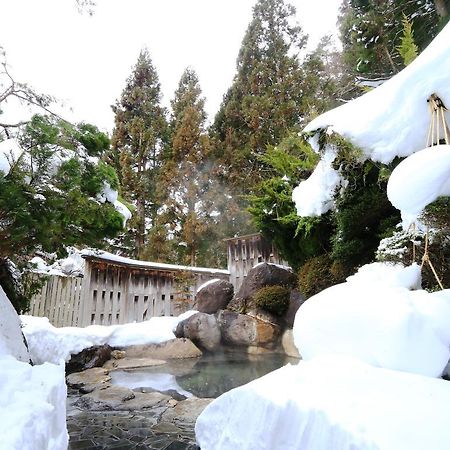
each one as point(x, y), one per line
point(329, 403)
point(207, 283)
point(50, 344)
point(281, 266)
point(10, 151)
point(108, 194)
point(32, 398)
point(419, 180)
point(121, 259)
point(314, 196)
point(376, 318)
point(11, 339)
point(393, 119)
point(72, 265)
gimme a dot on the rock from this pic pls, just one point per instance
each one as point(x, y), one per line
point(119, 399)
point(12, 341)
point(88, 358)
point(179, 330)
point(89, 379)
point(263, 274)
point(132, 363)
point(186, 411)
point(214, 296)
point(173, 349)
point(287, 342)
point(242, 330)
point(118, 354)
point(202, 329)
point(295, 301)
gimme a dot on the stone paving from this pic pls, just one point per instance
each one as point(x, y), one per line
point(125, 430)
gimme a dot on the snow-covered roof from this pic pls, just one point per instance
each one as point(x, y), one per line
point(393, 119)
point(106, 256)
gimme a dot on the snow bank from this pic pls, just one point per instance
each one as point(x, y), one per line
point(329, 403)
point(32, 406)
point(50, 344)
point(376, 318)
point(393, 119)
point(419, 180)
point(314, 196)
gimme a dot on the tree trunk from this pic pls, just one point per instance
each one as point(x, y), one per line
point(441, 8)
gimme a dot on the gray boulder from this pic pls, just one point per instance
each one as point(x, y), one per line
point(243, 330)
point(214, 296)
point(295, 301)
point(202, 329)
point(263, 274)
point(173, 349)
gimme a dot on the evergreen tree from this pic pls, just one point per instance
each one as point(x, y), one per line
point(138, 142)
point(264, 101)
point(371, 32)
point(187, 212)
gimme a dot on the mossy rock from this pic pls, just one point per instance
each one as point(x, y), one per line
point(273, 299)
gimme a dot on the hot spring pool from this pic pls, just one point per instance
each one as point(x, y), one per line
point(205, 377)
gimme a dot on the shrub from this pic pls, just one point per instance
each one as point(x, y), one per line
point(273, 299)
point(320, 273)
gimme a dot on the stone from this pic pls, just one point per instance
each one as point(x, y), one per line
point(214, 296)
point(12, 341)
point(263, 274)
point(243, 330)
point(119, 398)
point(295, 301)
point(88, 358)
point(172, 349)
point(89, 379)
point(287, 342)
point(118, 354)
point(202, 329)
point(132, 363)
point(186, 411)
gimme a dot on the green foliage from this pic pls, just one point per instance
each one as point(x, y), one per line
point(407, 49)
point(273, 299)
point(319, 273)
point(273, 211)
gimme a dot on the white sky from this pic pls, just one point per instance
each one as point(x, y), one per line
point(85, 60)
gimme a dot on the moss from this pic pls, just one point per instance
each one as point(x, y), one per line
point(320, 273)
point(273, 299)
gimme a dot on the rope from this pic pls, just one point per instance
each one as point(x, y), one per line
point(437, 111)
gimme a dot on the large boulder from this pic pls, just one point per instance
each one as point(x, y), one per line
point(12, 341)
point(213, 296)
point(172, 349)
point(202, 329)
point(296, 299)
point(89, 379)
point(263, 274)
point(88, 358)
point(242, 330)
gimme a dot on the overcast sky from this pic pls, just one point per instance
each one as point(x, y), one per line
point(85, 60)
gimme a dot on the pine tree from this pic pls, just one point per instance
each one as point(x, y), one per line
point(138, 141)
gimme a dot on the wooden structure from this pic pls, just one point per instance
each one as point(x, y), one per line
point(116, 290)
point(244, 252)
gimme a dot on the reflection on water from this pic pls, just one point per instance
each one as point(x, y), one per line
point(209, 376)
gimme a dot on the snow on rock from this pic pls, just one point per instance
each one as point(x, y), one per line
point(376, 318)
point(11, 338)
point(207, 283)
point(419, 180)
point(10, 151)
point(329, 403)
point(393, 119)
point(50, 344)
point(32, 406)
point(315, 196)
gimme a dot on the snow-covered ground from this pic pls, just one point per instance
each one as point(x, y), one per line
point(50, 344)
point(32, 398)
